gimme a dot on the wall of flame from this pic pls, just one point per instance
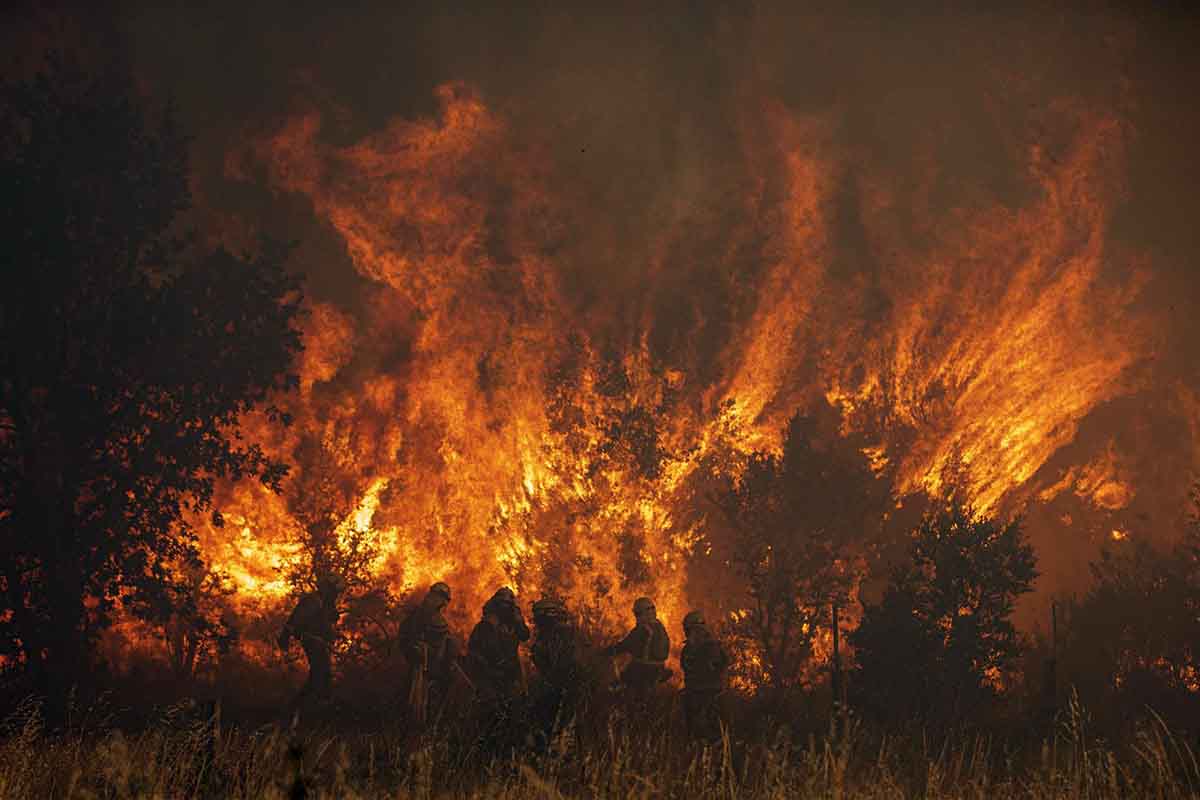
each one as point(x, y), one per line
point(466, 399)
point(557, 292)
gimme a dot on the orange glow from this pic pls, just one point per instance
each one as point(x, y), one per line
point(1005, 336)
point(468, 403)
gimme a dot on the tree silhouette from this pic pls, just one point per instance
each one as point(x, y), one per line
point(321, 497)
point(1131, 641)
point(126, 359)
point(193, 614)
point(941, 640)
point(799, 520)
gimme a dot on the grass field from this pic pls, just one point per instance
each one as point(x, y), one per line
point(190, 755)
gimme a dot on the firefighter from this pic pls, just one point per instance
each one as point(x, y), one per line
point(313, 621)
point(555, 653)
point(648, 646)
point(555, 647)
point(493, 661)
point(493, 664)
point(704, 662)
point(431, 651)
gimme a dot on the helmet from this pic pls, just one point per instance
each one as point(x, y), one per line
point(643, 605)
point(693, 619)
point(502, 602)
point(442, 589)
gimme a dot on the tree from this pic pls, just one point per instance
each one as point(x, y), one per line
point(1131, 640)
point(799, 520)
point(321, 498)
point(941, 641)
point(126, 360)
point(192, 612)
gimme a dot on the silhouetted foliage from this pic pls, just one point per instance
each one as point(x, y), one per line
point(1131, 641)
point(192, 612)
point(632, 452)
point(336, 554)
point(125, 360)
point(800, 520)
point(938, 645)
point(321, 500)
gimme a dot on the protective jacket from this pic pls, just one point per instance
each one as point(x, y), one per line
point(492, 651)
point(649, 645)
point(704, 661)
point(310, 619)
point(425, 637)
point(555, 654)
point(313, 622)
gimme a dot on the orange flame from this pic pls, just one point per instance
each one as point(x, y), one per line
point(471, 399)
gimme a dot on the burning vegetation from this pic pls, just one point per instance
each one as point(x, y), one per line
point(473, 418)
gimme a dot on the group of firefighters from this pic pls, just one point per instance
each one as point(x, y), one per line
point(492, 666)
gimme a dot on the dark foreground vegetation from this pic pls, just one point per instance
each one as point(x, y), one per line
point(190, 754)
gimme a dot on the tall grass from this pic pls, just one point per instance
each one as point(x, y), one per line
point(191, 755)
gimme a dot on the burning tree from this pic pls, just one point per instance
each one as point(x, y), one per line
point(800, 520)
point(321, 499)
point(941, 639)
point(560, 419)
point(338, 549)
point(126, 360)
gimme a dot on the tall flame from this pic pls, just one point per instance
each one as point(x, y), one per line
point(492, 422)
point(1003, 336)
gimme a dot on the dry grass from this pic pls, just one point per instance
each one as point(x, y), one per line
point(188, 756)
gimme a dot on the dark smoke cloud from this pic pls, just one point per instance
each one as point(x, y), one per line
point(640, 103)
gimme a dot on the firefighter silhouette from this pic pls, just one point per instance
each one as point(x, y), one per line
point(558, 687)
point(314, 623)
point(648, 647)
point(431, 652)
point(704, 662)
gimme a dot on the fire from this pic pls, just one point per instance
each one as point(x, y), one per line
point(1005, 340)
point(489, 422)
point(1103, 481)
